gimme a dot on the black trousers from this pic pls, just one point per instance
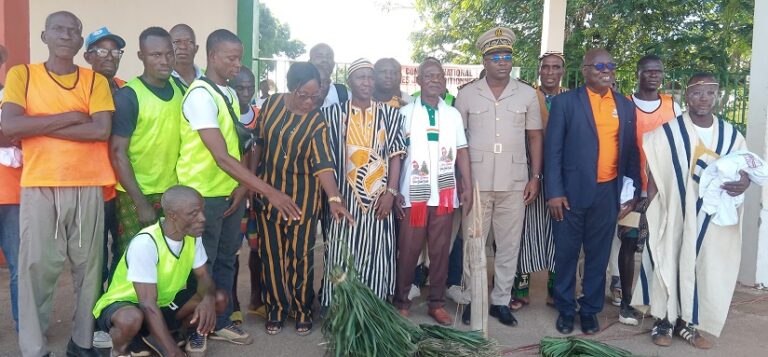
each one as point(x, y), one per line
point(593, 229)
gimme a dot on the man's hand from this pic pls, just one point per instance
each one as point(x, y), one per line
point(339, 212)
point(146, 213)
point(234, 199)
point(556, 206)
point(399, 203)
point(531, 191)
point(384, 205)
point(627, 207)
point(466, 200)
point(284, 204)
point(205, 316)
point(735, 188)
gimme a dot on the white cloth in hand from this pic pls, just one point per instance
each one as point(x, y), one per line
point(627, 190)
point(716, 201)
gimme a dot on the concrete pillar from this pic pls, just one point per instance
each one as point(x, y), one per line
point(245, 29)
point(553, 26)
point(754, 257)
point(14, 33)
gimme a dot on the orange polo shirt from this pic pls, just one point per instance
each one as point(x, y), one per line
point(607, 124)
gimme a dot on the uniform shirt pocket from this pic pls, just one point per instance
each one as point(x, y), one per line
point(477, 117)
point(517, 114)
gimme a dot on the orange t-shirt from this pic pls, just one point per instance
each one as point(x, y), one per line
point(53, 162)
point(607, 124)
point(647, 122)
point(10, 190)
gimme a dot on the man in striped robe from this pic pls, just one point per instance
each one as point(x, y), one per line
point(690, 265)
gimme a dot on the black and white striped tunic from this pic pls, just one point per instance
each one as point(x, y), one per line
point(537, 248)
point(370, 244)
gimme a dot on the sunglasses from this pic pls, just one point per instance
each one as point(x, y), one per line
point(498, 58)
point(103, 52)
point(602, 66)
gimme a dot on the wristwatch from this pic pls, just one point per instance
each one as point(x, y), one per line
point(336, 199)
point(393, 191)
point(539, 176)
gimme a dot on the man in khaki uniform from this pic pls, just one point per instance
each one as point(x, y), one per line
point(499, 114)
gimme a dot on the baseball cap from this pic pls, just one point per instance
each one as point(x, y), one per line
point(101, 34)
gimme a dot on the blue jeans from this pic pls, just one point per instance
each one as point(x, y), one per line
point(9, 242)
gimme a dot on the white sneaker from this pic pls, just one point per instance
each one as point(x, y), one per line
point(457, 294)
point(414, 293)
point(102, 339)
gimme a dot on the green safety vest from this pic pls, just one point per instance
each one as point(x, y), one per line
point(449, 98)
point(154, 146)
point(172, 273)
point(196, 167)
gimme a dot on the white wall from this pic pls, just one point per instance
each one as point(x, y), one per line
point(128, 18)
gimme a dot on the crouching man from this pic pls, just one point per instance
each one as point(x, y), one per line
point(148, 295)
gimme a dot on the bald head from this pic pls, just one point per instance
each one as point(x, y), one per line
point(321, 55)
point(66, 14)
point(320, 47)
point(178, 197)
point(183, 28)
point(591, 54)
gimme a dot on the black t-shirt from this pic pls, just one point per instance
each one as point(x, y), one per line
point(127, 107)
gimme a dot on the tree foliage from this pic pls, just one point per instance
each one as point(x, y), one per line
point(275, 39)
point(711, 35)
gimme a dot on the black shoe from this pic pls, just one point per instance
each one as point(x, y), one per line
point(466, 316)
point(504, 314)
point(74, 350)
point(628, 315)
point(589, 324)
point(564, 324)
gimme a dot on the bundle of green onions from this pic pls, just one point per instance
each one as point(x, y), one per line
point(359, 324)
point(578, 347)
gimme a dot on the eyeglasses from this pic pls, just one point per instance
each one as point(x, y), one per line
point(103, 52)
point(304, 96)
point(186, 43)
point(498, 58)
point(602, 66)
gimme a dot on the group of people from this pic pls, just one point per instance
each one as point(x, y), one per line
point(170, 163)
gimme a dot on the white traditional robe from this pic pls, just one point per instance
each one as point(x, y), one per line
point(690, 265)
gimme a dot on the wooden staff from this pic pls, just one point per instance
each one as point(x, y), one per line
point(478, 273)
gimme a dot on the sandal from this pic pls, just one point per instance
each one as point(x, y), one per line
point(273, 327)
point(303, 328)
point(517, 303)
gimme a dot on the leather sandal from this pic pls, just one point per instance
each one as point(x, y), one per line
point(273, 327)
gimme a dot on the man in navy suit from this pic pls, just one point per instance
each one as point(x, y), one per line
point(590, 146)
